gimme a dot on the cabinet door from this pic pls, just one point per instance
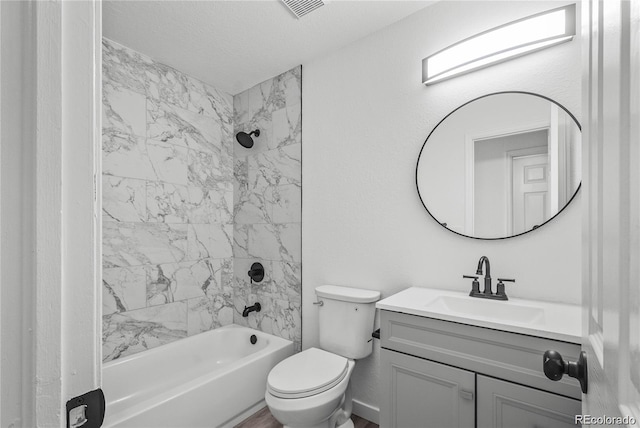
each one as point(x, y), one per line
point(420, 393)
point(505, 404)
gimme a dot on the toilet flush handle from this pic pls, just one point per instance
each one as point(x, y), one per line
point(319, 303)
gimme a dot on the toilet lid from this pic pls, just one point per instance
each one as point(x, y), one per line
point(307, 373)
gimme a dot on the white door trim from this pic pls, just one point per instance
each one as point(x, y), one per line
point(81, 195)
point(61, 298)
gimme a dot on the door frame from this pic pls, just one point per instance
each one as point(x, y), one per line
point(611, 207)
point(62, 139)
point(68, 203)
point(469, 159)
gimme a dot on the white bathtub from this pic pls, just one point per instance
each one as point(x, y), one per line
point(207, 380)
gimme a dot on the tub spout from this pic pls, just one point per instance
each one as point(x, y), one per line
point(248, 309)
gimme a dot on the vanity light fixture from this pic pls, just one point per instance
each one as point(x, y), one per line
point(502, 43)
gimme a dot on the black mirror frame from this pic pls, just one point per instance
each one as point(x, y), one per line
point(458, 108)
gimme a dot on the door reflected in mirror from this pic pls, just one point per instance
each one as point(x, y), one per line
point(501, 165)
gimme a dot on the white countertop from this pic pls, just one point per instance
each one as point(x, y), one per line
point(532, 317)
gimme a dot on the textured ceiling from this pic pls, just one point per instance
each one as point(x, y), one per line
point(234, 45)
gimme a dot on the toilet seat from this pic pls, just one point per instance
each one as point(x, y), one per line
point(307, 373)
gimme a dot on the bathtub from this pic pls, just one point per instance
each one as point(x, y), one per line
point(212, 379)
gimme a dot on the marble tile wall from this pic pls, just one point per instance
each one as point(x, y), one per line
point(267, 205)
point(167, 204)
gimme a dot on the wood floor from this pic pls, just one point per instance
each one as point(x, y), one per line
point(263, 419)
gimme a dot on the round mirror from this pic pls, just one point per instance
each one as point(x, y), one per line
point(500, 165)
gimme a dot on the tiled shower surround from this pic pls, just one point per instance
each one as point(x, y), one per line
point(168, 209)
point(267, 205)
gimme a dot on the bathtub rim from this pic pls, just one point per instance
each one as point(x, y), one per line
point(189, 339)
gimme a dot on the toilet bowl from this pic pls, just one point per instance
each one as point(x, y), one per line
point(311, 389)
point(306, 391)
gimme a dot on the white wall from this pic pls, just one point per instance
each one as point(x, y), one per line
point(365, 118)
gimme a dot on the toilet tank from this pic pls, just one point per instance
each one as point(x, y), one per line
point(345, 320)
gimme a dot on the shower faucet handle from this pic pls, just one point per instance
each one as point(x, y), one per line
point(256, 273)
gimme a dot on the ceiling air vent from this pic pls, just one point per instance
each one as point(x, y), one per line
point(301, 7)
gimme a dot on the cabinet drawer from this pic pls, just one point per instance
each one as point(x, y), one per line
point(510, 356)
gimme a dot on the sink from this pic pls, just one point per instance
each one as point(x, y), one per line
point(550, 320)
point(503, 311)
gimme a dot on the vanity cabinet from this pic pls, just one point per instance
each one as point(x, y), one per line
point(437, 373)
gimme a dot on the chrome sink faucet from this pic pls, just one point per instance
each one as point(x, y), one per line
point(487, 293)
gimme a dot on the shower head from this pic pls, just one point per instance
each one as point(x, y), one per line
point(245, 139)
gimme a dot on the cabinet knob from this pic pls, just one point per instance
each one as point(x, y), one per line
point(555, 367)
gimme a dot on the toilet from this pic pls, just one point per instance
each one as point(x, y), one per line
point(311, 389)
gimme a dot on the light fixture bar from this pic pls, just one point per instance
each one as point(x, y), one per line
point(499, 44)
